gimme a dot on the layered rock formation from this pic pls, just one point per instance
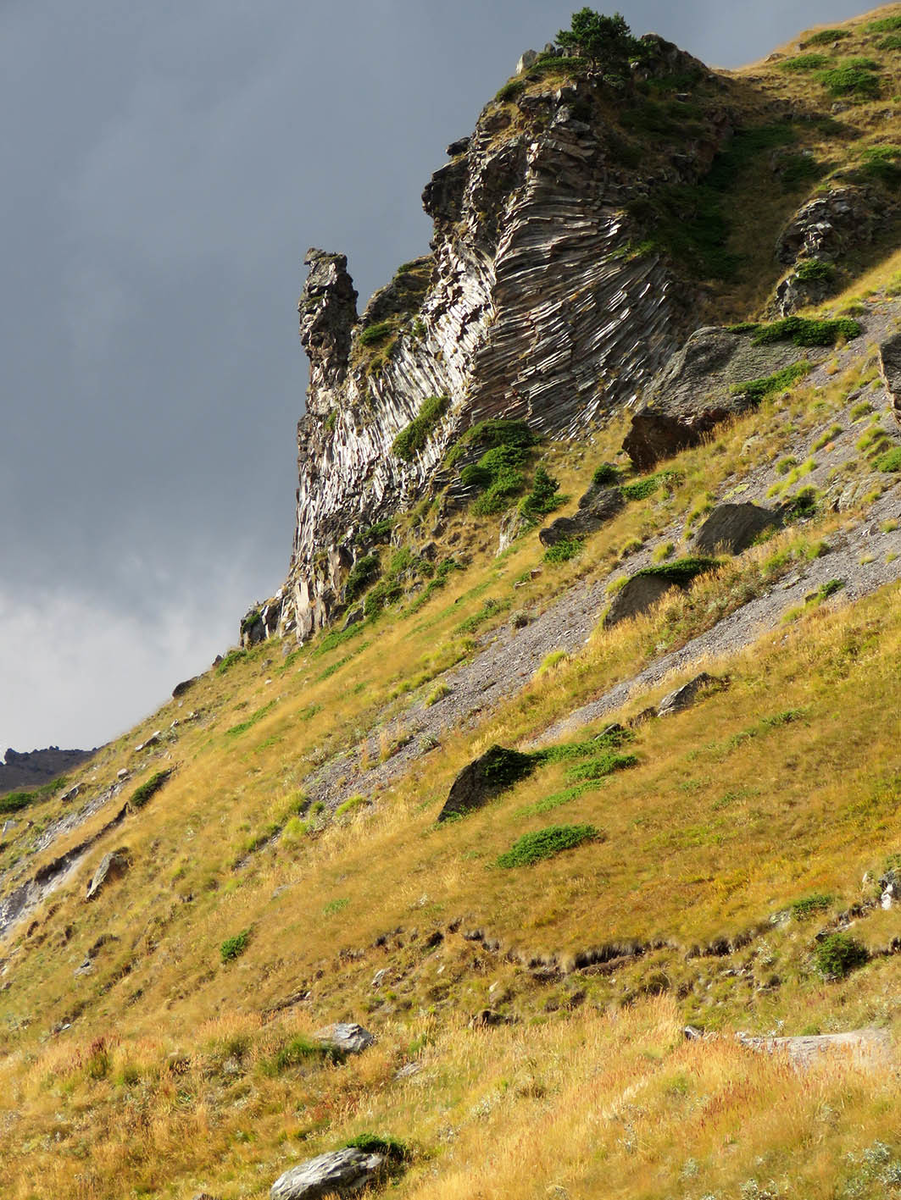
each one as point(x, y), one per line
point(534, 305)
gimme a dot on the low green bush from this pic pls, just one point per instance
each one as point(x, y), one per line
point(375, 334)
point(391, 1148)
point(234, 946)
point(362, 575)
point(814, 270)
point(803, 331)
point(545, 843)
point(681, 570)
point(826, 36)
point(804, 503)
point(606, 473)
point(544, 496)
point(806, 62)
point(892, 42)
point(890, 461)
point(414, 437)
point(884, 25)
point(230, 659)
point(148, 788)
point(300, 1049)
point(510, 90)
point(600, 768)
point(838, 954)
point(856, 80)
point(809, 906)
point(377, 534)
point(495, 431)
point(564, 550)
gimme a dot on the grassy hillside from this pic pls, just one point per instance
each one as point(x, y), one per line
point(530, 967)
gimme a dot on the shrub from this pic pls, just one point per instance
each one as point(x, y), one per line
point(16, 801)
point(545, 843)
point(605, 473)
point(375, 334)
point(544, 497)
point(438, 692)
point(564, 550)
point(837, 955)
point(378, 533)
point(492, 432)
point(806, 62)
point(824, 36)
point(362, 574)
point(681, 570)
point(234, 946)
point(803, 504)
point(881, 162)
point(814, 270)
point(148, 788)
point(890, 461)
point(808, 906)
point(642, 488)
point(851, 80)
point(757, 389)
point(298, 1050)
point(600, 768)
point(414, 437)
point(510, 90)
point(803, 331)
point(351, 805)
point(884, 25)
point(892, 42)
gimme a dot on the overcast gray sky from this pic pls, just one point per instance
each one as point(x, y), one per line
point(165, 167)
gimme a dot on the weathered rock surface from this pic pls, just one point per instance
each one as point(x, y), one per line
point(346, 1037)
point(732, 528)
point(890, 368)
point(532, 307)
point(112, 866)
point(685, 696)
point(596, 507)
point(827, 226)
point(692, 394)
point(638, 595)
point(341, 1173)
point(483, 779)
point(867, 1047)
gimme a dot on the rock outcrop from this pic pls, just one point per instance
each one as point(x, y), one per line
point(346, 1037)
point(890, 369)
point(340, 1173)
point(533, 305)
point(732, 528)
point(30, 768)
point(596, 507)
point(484, 778)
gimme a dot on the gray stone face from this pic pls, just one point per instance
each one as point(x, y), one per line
point(685, 696)
point(732, 528)
point(341, 1173)
point(637, 596)
point(596, 507)
point(112, 866)
point(890, 366)
point(483, 779)
point(348, 1037)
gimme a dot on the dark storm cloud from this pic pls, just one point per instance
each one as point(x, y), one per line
point(165, 167)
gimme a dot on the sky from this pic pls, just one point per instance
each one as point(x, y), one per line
point(165, 167)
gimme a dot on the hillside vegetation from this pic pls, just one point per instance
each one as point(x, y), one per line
point(556, 980)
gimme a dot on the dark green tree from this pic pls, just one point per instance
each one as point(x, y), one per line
point(606, 42)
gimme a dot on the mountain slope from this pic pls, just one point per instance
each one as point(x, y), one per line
point(266, 854)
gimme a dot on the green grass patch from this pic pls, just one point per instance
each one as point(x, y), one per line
point(555, 800)
point(855, 80)
point(890, 461)
point(362, 575)
point(545, 843)
point(230, 659)
point(564, 550)
point(806, 62)
point(757, 389)
point(884, 25)
point(243, 726)
point(825, 36)
point(493, 432)
point(810, 906)
point(600, 768)
point(803, 331)
point(892, 42)
point(378, 533)
point(374, 335)
point(371, 1143)
point(414, 437)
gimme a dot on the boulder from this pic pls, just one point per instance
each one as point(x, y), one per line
point(346, 1037)
point(596, 507)
point(829, 225)
point(112, 866)
point(683, 697)
point(890, 367)
point(484, 778)
point(693, 393)
point(513, 525)
point(340, 1173)
point(526, 60)
point(732, 528)
point(637, 596)
point(184, 686)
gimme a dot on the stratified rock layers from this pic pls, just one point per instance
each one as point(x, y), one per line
point(536, 307)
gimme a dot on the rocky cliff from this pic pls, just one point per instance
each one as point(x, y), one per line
point(30, 768)
point(537, 303)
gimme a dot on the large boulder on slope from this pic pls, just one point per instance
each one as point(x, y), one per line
point(484, 778)
point(340, 1173)
point(732, 528)
point(890, 367)
point(637, 596)
point(346, 1037)
point(596, 507)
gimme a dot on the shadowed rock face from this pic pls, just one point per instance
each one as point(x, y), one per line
point(637, 596)
point(532, 308)
point(29, 769)
point(890, 367)
point(732, 528)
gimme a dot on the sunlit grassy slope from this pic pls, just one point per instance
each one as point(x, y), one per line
point(280, 880)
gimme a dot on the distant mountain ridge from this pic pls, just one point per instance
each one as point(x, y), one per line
point(31, 768)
